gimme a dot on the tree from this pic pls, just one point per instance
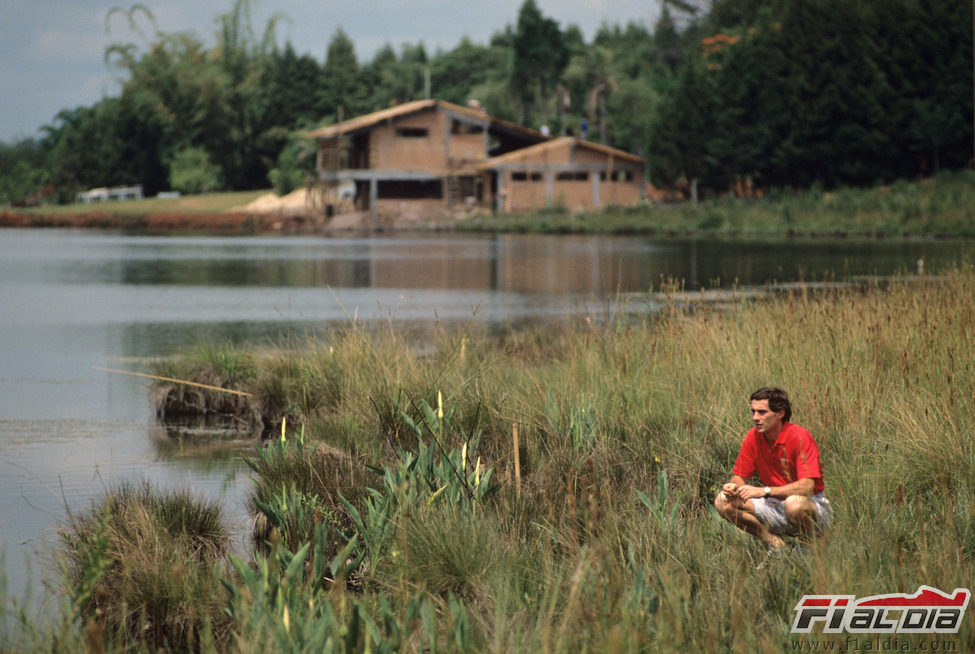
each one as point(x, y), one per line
point(455, 72)
point(289, 89)
point(22, 171)
point(340, 77)
point(667, 53)
point(540, 55)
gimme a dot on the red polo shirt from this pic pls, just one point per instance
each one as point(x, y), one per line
point(793, 456)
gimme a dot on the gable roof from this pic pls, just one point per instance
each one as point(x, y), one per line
point(533, 152)
point(368, 121)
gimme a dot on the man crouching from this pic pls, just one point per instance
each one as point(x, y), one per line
point(791, 500)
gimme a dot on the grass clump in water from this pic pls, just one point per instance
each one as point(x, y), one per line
point(143, 566)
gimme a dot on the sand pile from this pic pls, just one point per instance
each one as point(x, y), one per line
point(297, 200)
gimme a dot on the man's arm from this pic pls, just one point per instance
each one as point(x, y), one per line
point(802, 487)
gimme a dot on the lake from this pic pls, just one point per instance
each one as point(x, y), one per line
point(75, 301)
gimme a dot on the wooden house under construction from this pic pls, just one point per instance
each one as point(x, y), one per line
point(432, 154)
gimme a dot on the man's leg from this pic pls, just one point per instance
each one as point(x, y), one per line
point(803, 514)
point(742, 515)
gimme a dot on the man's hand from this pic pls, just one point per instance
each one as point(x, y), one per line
point(730, 490)
point(749, 492)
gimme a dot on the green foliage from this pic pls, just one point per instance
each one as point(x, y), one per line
point(300, 487)
point(540, 55)
point(280, 604)
point(192, 172)
point(295, 166)
point(22, 174)
point(794, 93)
point(430, 476)
point(339, 78)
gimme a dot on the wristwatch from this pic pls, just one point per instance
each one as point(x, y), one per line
point(768, 491)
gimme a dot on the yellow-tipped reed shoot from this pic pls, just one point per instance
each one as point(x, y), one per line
point(436, 494)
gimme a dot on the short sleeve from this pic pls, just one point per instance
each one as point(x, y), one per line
point(807, 463)
point(745, 463)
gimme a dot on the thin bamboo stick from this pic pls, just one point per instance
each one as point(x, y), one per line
point(175, 381)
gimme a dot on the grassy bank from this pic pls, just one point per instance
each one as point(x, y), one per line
point(397, 514)
point(211, 213)
point(206, 203)
point(940, 206)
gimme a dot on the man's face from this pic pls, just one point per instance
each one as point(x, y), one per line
point(766, 421)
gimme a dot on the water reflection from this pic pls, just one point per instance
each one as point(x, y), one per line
point(203, 443)
point(501, 263)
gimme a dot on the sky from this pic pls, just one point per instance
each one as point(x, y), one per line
point(52, 53)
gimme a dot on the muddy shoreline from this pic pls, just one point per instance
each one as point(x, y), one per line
point(231, 223)
point(234, 222)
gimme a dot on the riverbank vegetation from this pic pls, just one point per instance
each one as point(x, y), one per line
point(943, 205)
point(940, 206)
point(550, 489)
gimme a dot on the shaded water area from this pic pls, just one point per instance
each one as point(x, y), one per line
point(72, 301)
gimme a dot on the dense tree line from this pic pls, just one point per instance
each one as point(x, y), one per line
point(799, 92)
point(777, 92)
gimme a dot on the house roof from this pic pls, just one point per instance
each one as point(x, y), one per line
point(368, 121)
point(533, 152)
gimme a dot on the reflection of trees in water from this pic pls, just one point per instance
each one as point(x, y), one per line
point(205, 443)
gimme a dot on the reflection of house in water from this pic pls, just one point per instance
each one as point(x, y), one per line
point(514, 263)
point(434, 154)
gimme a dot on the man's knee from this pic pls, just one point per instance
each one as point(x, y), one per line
point(727, 508)
point(798, 508)
point(722, 505)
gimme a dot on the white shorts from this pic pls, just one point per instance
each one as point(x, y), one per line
point(771, 511)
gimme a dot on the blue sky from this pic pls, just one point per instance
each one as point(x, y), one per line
point(52, 57)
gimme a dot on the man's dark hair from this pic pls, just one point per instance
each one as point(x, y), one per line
point(778, 400)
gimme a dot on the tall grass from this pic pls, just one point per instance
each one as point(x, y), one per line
point(604, 539)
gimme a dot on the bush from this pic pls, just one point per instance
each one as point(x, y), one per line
point(295, 165)
point(191, 171)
